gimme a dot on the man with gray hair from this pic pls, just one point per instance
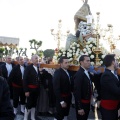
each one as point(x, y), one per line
point(5, 72)
point(16, 79)
point(31, 81)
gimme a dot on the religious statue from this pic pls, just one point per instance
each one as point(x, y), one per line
point(81, 14)
point(83, 26)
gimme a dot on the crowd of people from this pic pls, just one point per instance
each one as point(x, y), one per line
point(42, 90)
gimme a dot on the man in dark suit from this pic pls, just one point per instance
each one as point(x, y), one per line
point(31, 81)
point(110, 89)
point(5, 72)
point(83, 88)
point(16, 79)
point(6, 109)
point(62, 89)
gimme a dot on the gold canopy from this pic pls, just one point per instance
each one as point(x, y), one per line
point(9, 41)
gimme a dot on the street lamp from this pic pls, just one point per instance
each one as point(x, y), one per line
point(58, 36)
point(97, 50)
point(110, 38)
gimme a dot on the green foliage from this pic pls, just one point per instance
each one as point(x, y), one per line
point(40, 53)
point(34, 44)
point(49, 53)
point(1, 51)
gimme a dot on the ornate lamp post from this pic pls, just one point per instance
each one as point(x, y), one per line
point(58, 36)
point(97, 50)
point(110, 38)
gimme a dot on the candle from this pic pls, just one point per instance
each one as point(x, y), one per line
point(89, 19)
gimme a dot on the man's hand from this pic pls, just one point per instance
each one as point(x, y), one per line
point(64, 105)
point(40, 69)
point(27, 94)
point(81, 112)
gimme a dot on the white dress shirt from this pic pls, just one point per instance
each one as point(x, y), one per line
point(36, 69)
point(114, 74)
point(66, 73)
point(22, 70)
point(86, 72)
point(9, 68)
point(69, 80)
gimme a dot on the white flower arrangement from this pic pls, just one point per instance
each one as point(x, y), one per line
point(75, 52)
point(92, 63)
point(101, 62)
point(90, 45)
point(92, 56)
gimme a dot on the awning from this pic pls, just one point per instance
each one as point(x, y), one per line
point(9, 41)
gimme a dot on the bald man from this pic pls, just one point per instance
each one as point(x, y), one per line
point(5, 72)
point(31, 81)
point(16, 79)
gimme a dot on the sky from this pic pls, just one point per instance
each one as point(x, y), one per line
point(33, 19)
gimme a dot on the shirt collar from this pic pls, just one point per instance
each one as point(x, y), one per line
point(34, 66)
point(64, 69)
point(84, 69)
point(21, 66)
point(8, 64)
point(112, 71)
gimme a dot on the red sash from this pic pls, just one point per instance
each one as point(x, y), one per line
point(33, 86)
point(15, 85)
point(65, 95)
point(109, 104)
point(85, 101)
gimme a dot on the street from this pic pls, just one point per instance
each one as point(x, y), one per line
point(92, 116)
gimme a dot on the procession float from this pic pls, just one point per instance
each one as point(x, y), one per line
point(86, 40)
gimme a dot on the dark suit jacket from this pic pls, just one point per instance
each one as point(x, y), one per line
point(110, 86)
point(31, 77)
point(4, 72)
point(16, 76)
point(82, 87)
point(61, 84)
point(6, 109)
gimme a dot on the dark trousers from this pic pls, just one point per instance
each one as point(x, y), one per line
point(18, 94)
point(109, 114)
point(11, 92)
point(32, 99)
point(86, 107)
point(61, 112)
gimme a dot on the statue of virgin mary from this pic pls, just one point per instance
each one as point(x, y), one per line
point(81, 14)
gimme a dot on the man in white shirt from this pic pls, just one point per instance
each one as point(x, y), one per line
point(83, 89)
point(16, 79)
point(6, 70)
point(62, 89)
point(110, 89)
point(31, 82)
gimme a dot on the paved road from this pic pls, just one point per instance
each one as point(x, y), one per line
point(92, 116)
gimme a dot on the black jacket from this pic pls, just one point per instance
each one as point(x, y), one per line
point(110, 86)
point(31, 77)
point(61, 84)
point(16, 76)
point(82, 87)
point(4, 72)
point(6, 110)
